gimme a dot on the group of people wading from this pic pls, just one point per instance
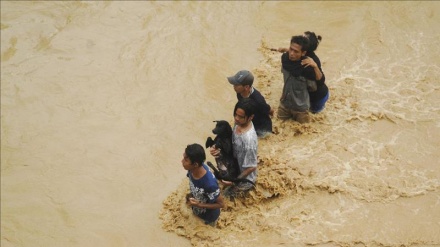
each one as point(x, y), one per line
point(304, 93)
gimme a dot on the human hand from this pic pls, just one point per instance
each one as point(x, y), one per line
point(227, 183)
point(308, 61)
point(282, 49)
point(189, 195)
point(215, 151)
point(193, 202)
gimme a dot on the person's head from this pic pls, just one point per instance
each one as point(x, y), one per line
point(193, 157)
point(242, 81)
point(244, 111)
point(314, 40)
point(299, 45)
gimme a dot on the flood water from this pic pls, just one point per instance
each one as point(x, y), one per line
point(99, 100)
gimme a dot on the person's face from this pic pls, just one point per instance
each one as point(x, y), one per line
point(240, 118)
point(240, 89)
point(186, 163)
point(295, 52)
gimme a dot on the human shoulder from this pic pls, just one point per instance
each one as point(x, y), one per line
point(206, 183)
point(210, 180)
point(262, 105)
point(250, 135)
point(208, 174)
point(256, 95)
point(315, 58)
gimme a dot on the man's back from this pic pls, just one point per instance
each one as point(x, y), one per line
point(295, 93)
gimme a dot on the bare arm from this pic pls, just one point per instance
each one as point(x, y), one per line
point(214, 151)
point(308, 61)
point(218, 203)
point(246, 172)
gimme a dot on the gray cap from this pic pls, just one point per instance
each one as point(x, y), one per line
point(243, 77)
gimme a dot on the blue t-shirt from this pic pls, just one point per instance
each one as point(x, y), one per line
point(205, 190)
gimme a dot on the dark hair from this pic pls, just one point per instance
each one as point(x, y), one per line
point(300, 40)
point(248, 106)
point(314, 40)
point(195, 153)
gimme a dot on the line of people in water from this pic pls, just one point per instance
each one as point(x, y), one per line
point(304, 92)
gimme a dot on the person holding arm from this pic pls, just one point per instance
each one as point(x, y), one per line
point(319, 97)
point(299, 77)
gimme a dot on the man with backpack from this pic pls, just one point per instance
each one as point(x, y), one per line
point(300, 74)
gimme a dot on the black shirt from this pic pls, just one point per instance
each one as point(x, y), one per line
point(262, 121)
point(322, 88)
point(296, 69)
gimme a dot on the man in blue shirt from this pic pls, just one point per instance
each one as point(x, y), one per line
point(205, 198)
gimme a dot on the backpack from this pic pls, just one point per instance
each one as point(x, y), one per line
point(296, 92)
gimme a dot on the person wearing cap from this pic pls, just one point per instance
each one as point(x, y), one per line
point(300, 74)
point(242, 82)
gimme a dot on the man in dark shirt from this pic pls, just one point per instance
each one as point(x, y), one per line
point(242, 82)
point(300, 74)
point(319, 97)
